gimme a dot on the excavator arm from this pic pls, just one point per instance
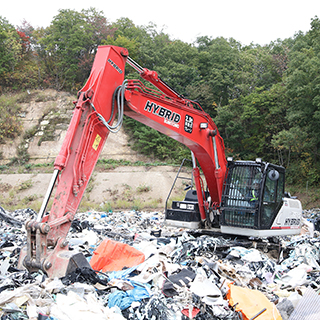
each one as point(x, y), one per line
point(185, 123)
point(105, 97)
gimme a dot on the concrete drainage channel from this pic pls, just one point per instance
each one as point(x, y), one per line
point(146, 270)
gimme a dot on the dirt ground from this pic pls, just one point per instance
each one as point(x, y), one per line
point(124, 186)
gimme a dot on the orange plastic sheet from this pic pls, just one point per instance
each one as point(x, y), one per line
point(114, 256)
point(251, 302)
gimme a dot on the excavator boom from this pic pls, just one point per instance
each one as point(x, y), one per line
point(92, 120)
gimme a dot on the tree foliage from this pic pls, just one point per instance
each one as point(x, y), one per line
point(265, 100)
point(302, 138)
point(10, 50)
point(69, 44)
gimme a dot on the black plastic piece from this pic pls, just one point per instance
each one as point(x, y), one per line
point(77, 261)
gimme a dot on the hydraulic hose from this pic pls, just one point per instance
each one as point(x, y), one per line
point(119, 95)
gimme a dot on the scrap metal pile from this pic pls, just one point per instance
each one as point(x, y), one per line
point(145, 270)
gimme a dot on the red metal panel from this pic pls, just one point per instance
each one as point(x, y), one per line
point(85, 137)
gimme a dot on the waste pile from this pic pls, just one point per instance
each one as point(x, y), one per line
point(142, 269)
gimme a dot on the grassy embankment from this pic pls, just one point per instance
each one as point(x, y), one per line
point(129, 199)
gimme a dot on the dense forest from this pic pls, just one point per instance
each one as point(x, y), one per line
point(265, 100)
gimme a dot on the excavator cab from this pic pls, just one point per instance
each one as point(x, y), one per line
point(241, 199)
point(254, 202)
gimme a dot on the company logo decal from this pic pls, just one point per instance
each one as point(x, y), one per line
point(115, 66)
point(171, 118)
point(188, 124)
point(292, 222)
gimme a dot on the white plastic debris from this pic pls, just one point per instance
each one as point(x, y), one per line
point(252, 255)
point(72, 306)
point(205, 288)
point(296, 277)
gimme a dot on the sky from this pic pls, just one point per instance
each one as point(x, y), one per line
point(247, 21)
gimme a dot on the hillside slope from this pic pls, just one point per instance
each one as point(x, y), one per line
point(45, 116)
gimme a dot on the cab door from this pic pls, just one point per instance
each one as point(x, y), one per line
point(273, 192)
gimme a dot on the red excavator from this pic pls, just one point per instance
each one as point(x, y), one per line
point(241, 197)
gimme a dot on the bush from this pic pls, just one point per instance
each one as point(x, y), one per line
point(10, 125)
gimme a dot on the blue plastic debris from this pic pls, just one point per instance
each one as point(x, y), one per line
point(124, 299)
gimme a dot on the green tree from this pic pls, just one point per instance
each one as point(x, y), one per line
point(10, 50)
point(97, 30)
point(27, 71)
point(217, 64)
point(178, 66)
point(257, 67)
point(249, 123)
point(126, 28)
point(69, 44)
point(303, 83)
